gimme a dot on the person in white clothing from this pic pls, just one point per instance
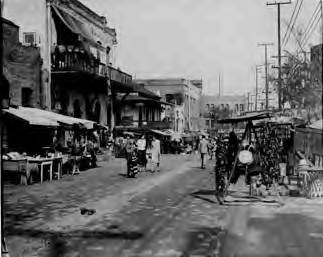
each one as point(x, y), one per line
point(141, 148)
point(155, 154)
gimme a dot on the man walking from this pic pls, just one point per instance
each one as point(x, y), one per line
point(203, 149)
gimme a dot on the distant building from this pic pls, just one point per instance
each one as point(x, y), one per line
point(230, 105)
point(184, 94)
point(140, 109)
point(261, 99)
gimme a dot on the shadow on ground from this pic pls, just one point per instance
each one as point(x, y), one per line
point(203, 241)
point(201, 194)
point(59, 243)
point(285, 234)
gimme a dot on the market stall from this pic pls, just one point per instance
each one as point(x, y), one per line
point(50, 141)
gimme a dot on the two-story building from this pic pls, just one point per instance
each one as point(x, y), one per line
point(227, 105)
point(77, 50)
point(185, 96)
point(141, 109)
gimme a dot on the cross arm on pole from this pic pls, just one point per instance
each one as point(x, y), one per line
point(278, 3)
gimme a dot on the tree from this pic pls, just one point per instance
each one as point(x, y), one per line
point(297, 89)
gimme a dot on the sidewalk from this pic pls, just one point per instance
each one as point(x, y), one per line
point(265, 228)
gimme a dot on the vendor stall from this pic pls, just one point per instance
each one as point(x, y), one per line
point(50, 141)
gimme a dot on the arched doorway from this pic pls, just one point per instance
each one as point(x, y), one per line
point(77, 113)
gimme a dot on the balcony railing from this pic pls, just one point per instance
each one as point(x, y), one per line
point(119, 76)
point(70, 58)
point(146, 124)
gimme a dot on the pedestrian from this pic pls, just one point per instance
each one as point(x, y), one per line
point(210, 148)
point(203, 151)
point(131, 156)
point(90, 148)
point(141, 148)
point(156, 154)
point(220, 171)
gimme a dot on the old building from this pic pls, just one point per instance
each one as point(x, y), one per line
point(260, 104)
point(220, 106)
point(77, 48)
point(141, 109)
point(21, 68)
point(185, 96)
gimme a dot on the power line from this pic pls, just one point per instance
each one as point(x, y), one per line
point(310, 22)
point(278, 4)
point(312, 30)
point(290, 21)
point(298, 11)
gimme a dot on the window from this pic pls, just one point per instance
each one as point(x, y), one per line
point(237, 107)
point(241, 108)
point(227, 106)
point(222, 106)
point(208, 107)
point(212, 123)
point(29, 38)
point(212, 106)
point(207, 123)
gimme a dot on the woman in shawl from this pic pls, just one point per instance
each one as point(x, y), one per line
point(132, 158)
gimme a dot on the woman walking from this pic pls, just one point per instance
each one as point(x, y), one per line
point(132, 159)
point(154, 153)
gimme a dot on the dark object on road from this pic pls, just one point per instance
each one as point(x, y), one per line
point(85, 211)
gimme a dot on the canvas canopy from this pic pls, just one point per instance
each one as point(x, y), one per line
point(247, 117)
point(40, 117)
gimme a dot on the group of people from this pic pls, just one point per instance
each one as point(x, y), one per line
point(142, 154)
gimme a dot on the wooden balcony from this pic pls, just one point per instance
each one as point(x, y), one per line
point(73, 59)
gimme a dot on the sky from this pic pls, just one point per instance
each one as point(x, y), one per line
point(199, 39)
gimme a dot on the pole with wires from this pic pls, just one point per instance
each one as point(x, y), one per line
point(266, 69)
point(279, 51)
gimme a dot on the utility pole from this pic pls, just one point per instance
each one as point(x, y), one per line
point(321, 3)
point(256, 97)
point(219, 84)
point(248, 101)
point(279, 49)
point(266, 70)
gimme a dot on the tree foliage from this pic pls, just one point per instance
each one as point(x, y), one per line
point(297, 88)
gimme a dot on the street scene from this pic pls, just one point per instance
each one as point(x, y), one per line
point(161, 128)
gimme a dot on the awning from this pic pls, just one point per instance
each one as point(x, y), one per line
point(160, 132)
point(247, 117)
point(30, 118)
point(36, 116)
point(75, 25)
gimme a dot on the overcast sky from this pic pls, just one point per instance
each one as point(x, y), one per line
point(197, 39)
